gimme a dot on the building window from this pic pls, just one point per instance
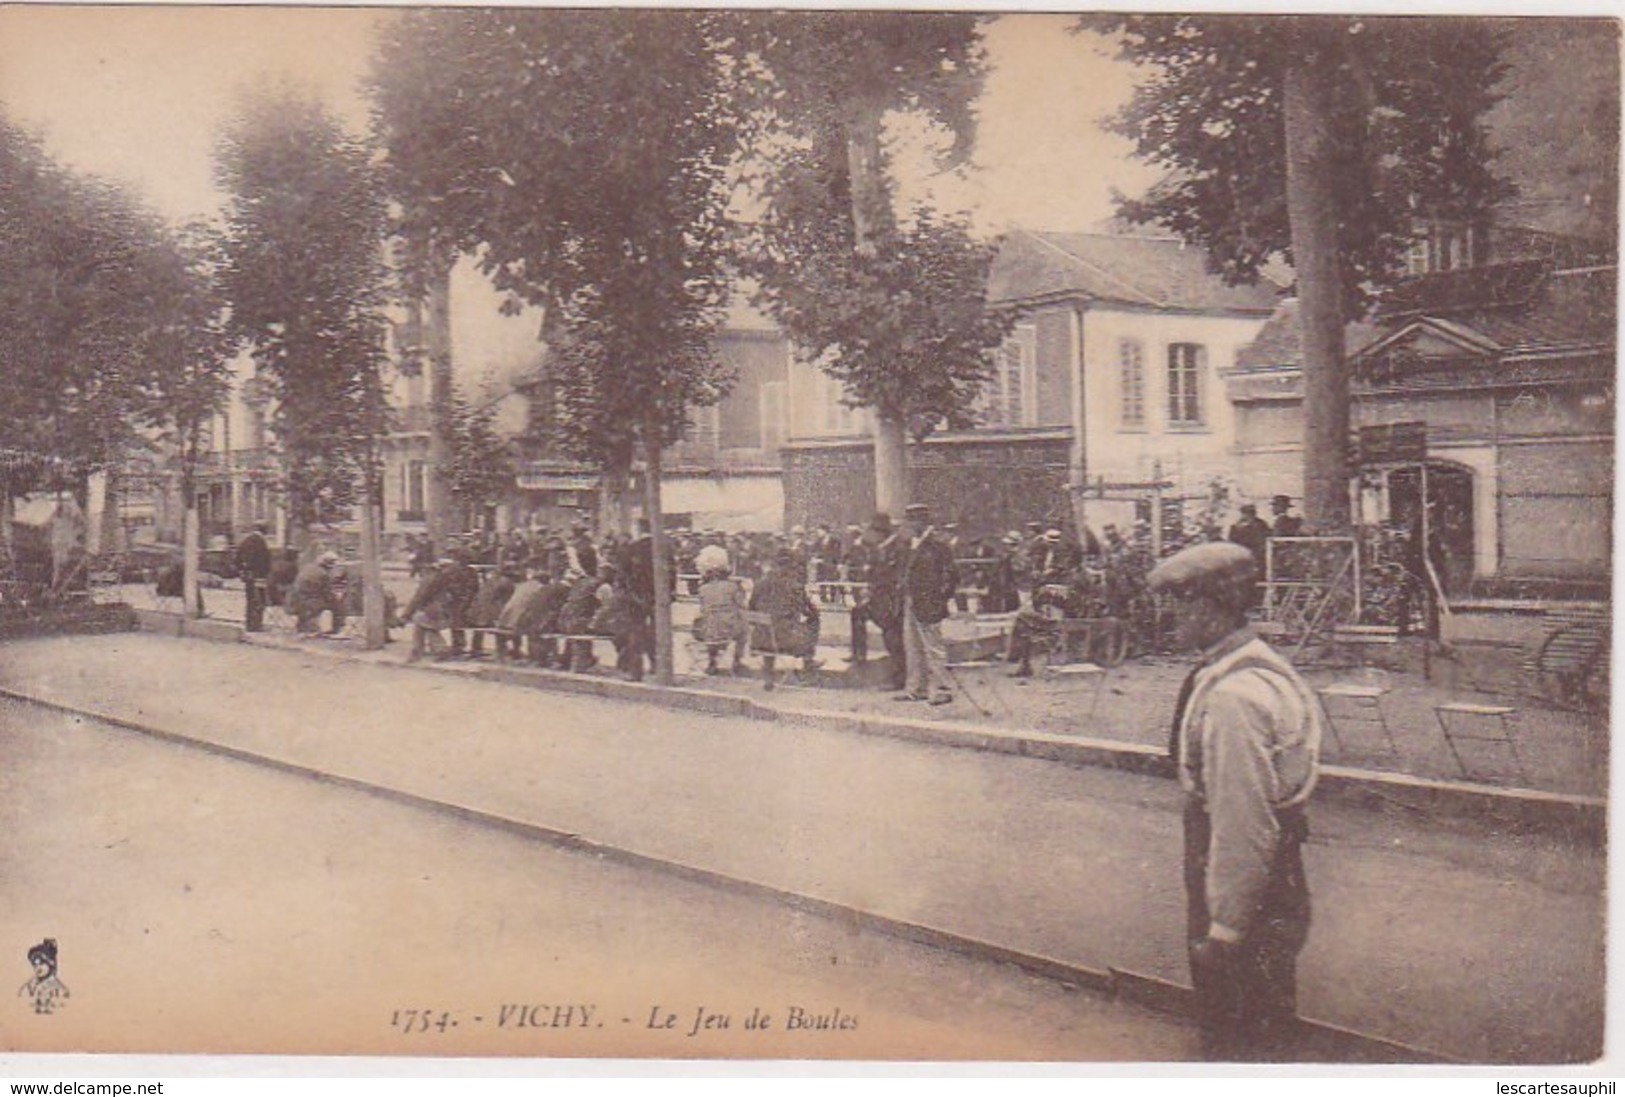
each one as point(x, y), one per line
point(1442, 246)
point(1131, 370)
point(1186, 362)
point(1009, 398)
point(707, 428)
point(838, 418)
point(775, 415)
point(412, 487)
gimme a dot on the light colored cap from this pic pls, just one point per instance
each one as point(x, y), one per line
point(1216, 568)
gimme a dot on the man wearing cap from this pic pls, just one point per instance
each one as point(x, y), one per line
point(1246, 744)
point(313, 593)
point(1054, 558)
point(930, 578)
point(882, 600)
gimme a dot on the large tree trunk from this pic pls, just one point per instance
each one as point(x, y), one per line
point(296, 518)
point(658, 550)
point(441, 511)
point(1312, 214)
point(614, 501)
point(891, 465)
point(191, 591)
point(8, 533)
point(374, 627)
point(871, 220)
point(866, 168)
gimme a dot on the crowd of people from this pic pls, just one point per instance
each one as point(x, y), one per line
point(541, 597)
point(545, 595)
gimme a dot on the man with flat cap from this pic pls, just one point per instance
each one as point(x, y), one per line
point(1246, 743)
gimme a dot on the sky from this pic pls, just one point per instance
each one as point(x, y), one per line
point(138, 95)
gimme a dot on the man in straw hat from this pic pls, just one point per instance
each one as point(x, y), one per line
point(1246, 743)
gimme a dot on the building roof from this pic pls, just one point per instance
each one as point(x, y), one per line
point(1517, 308)
point(1505, 310)
point(1279, 341)
point(1494, 286)
point(1148, 272)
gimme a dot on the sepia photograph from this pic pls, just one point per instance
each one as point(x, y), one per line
point(874, 536)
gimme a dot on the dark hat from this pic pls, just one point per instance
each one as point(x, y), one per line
point(1218, 569)
point(1281, 501)
point(881, 522)
point(45, 950)
point(1248, 508)
point(917, 510)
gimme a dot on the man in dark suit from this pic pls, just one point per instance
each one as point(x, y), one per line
point(1287, 524)
point(882, 600)
point(1250, 532)
point(637, 565)
point(254, 565)
point(930, 577)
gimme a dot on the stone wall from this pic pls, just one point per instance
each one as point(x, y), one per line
point(987, 485)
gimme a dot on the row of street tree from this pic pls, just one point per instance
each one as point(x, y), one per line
point(620, 172)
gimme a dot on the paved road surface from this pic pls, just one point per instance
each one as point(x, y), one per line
point(1479, 945)
point(208, 905)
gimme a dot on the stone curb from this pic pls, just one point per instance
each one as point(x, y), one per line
point(1323, 1041)
point(1582, 818)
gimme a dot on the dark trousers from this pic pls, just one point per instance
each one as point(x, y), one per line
point(254, 612)
point(544, 653)
point(635, 644)
point(1246, 995)
point(891, 632)
point(1030, 628)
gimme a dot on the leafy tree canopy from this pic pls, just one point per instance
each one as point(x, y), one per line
point(893, 310)
point(581, 156)
point(93, 294)
point(302, 266)
point(905, 330)
point(481, 469)
point(1409, 96)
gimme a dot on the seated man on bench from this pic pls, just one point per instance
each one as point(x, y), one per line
point(576, 618)
point(1041, 622)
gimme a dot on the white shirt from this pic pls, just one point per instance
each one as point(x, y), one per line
point(1249, 746)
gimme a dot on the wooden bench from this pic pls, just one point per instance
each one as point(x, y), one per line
point(1570, 666)
point(497, 636)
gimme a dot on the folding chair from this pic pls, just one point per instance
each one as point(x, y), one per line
point(1464, 721)
point(1358, 701)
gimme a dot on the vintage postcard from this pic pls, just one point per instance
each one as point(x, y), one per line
point(1066, 537)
